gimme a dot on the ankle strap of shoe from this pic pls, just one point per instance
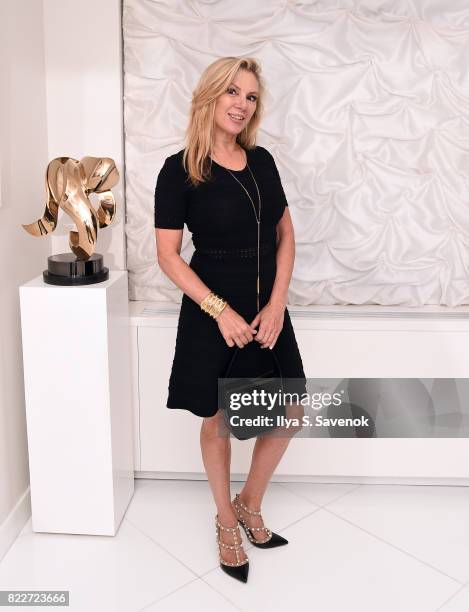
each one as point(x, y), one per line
point(245, 508)
point(232, 529)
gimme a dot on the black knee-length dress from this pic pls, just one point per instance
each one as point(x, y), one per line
point(224, 233)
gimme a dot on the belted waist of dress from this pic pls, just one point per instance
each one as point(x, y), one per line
point(265, 248)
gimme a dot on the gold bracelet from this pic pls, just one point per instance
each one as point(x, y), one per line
point(213, 304)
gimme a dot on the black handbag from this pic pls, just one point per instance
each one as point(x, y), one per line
point(252, 369)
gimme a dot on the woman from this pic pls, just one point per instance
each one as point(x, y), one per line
point(228, 192)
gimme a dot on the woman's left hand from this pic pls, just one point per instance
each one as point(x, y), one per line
point(270, 321)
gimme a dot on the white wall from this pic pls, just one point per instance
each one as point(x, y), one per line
point(61, 94)
point(23, 158)
point(83, 49)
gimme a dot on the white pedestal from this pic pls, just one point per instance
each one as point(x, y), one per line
point(77, 374)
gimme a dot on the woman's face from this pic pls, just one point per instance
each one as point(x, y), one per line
point(235, 107)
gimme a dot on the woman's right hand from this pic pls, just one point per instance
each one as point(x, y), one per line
point(234, 329)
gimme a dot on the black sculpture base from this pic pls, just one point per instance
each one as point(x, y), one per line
point(66, 269)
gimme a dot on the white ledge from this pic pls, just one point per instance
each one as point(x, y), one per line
point(140, 309)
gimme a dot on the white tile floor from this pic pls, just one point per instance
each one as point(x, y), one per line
point(363, 548)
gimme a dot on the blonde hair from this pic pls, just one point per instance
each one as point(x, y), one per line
point(199, 134)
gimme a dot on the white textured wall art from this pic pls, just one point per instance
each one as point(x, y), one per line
point(367, 117)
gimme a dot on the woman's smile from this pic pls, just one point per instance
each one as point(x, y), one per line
point(237, 117)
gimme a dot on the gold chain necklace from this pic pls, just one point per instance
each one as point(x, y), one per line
point(258, 218)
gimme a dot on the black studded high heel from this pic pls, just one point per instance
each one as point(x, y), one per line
point(240, 569)
point(272, 540)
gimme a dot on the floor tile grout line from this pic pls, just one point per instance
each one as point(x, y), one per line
point(377, 537)
point(463, 586)
point(285, 486)
point(187, 584)
point(152, 603)
point(221, 594)
point(140, 530)
point(324, 506)
point(299, 519)
point(451, 597)
point(197, 576)
point(249, 546)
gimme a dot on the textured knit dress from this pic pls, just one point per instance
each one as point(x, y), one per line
point(221, 219)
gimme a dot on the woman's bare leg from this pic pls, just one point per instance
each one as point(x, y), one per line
point(267, 452)
point(216, 455)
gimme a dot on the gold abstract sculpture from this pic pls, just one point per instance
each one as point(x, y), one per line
point(69, 183)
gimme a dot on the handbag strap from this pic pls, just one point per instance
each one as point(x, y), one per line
point(236, 353)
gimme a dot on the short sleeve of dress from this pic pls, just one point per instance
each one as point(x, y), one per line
point(276, 175)
point(170, 195)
